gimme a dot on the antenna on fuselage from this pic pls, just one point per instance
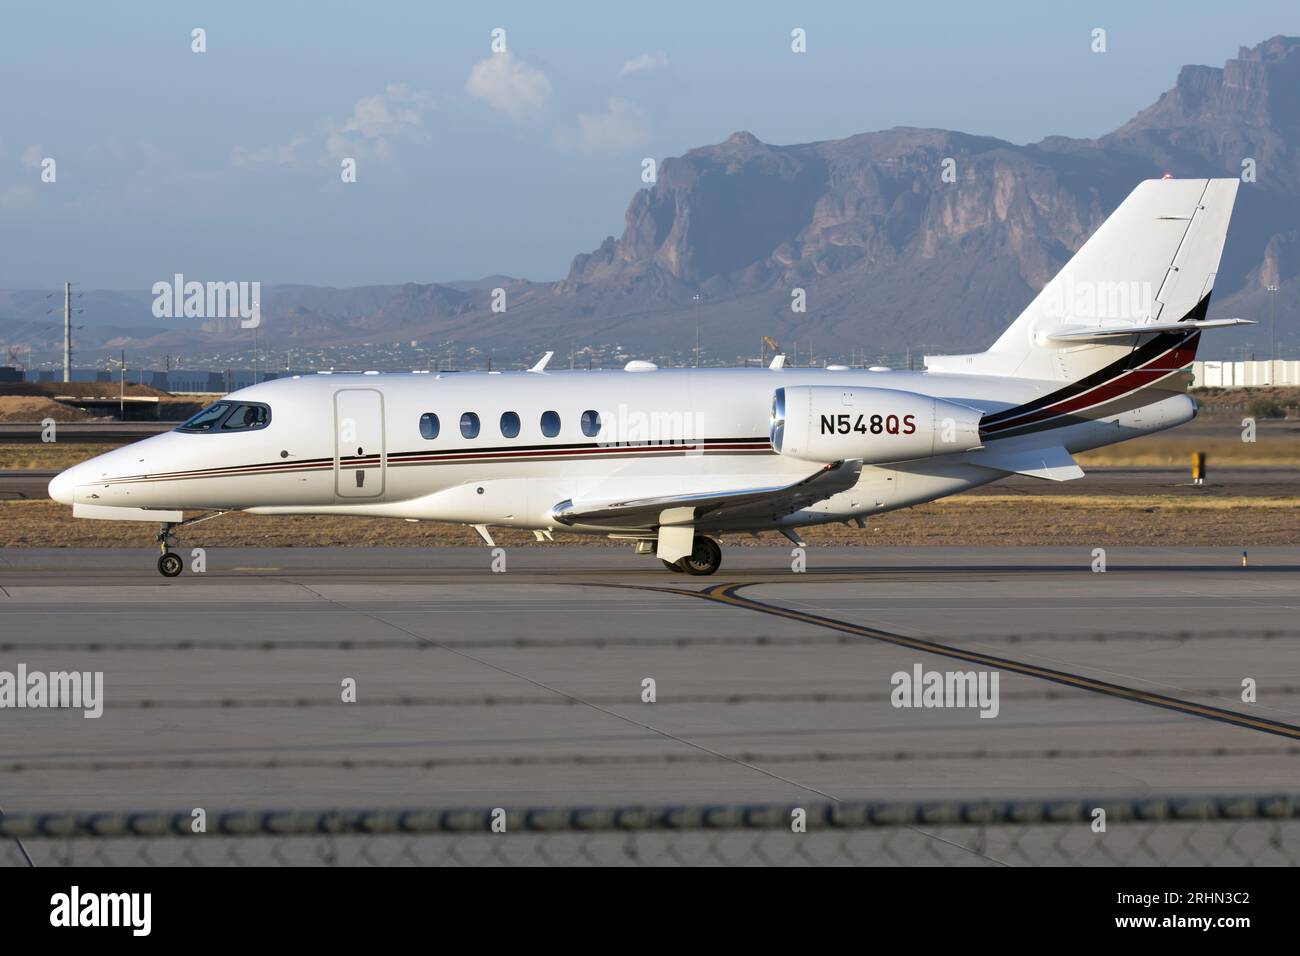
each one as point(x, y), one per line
point(541, 365)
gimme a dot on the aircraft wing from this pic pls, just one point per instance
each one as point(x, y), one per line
point(689, 509)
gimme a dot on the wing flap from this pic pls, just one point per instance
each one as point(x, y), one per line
point(688, 510)
point(1051, 463)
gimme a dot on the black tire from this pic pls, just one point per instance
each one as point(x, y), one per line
point(705, 557)
point(170, 565)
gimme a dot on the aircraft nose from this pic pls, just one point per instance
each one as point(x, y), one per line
point(65, 483)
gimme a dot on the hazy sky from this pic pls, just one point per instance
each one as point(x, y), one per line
point(225, 165)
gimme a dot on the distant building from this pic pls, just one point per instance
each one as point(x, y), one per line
point(9, 374)
point(191, 380)
point(78, 375)
point(1245, 374)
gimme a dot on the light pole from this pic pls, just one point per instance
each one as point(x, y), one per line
point(1272, 326)
point(696, 299)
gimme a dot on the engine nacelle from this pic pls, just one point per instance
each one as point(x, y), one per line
point(826, 423)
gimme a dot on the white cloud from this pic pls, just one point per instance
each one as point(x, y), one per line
point(621, 125)
point(646, 61)
point(31, 157)
point(17, 198)
point(283, 155)
point(398, 113)
point(397, 110)
point(509, 86)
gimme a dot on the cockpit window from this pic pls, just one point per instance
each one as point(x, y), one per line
point(229, 416)
point(206, 420)
point(246, 417)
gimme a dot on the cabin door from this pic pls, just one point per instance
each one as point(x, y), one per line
point(359, 459)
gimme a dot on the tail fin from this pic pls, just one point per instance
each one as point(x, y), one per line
point(1151, 263)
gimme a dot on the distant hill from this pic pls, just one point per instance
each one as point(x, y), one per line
point(890, 256)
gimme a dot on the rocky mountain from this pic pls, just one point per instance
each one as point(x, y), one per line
point(889, 253)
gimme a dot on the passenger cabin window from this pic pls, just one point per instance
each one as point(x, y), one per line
point(228, 417)
point(246, 417)
point(591, 424)
point(509, 425)
point(429, 426)
point(469, 425)
point(550, 424)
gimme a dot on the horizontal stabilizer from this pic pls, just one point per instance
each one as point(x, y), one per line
point(693, 508)
point(1052, 463)
point(1098, 333)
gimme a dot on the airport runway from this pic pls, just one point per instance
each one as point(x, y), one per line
point(222, 689)
point(88, 432)
point(30, 484)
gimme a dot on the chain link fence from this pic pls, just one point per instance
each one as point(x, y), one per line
point(1159, 831)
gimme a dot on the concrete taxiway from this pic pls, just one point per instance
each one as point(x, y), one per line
point(223, 688)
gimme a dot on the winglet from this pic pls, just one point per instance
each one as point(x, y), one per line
point(541, 364)
point(778, 362)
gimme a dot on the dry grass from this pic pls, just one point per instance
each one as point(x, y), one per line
point(1092, 502)
point(40, 456)
point(1272, 449)
point(993, 521)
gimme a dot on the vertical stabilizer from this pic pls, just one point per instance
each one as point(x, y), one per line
point(1152, 261)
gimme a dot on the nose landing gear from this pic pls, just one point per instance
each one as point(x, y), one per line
point(169, 562)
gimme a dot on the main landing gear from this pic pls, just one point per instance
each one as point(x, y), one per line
point(704, 559)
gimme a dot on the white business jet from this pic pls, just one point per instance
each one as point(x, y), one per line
point(670, 459)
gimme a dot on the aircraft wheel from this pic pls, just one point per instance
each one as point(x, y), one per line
point(705, 557)
point(673, 566)
point(170, 565)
